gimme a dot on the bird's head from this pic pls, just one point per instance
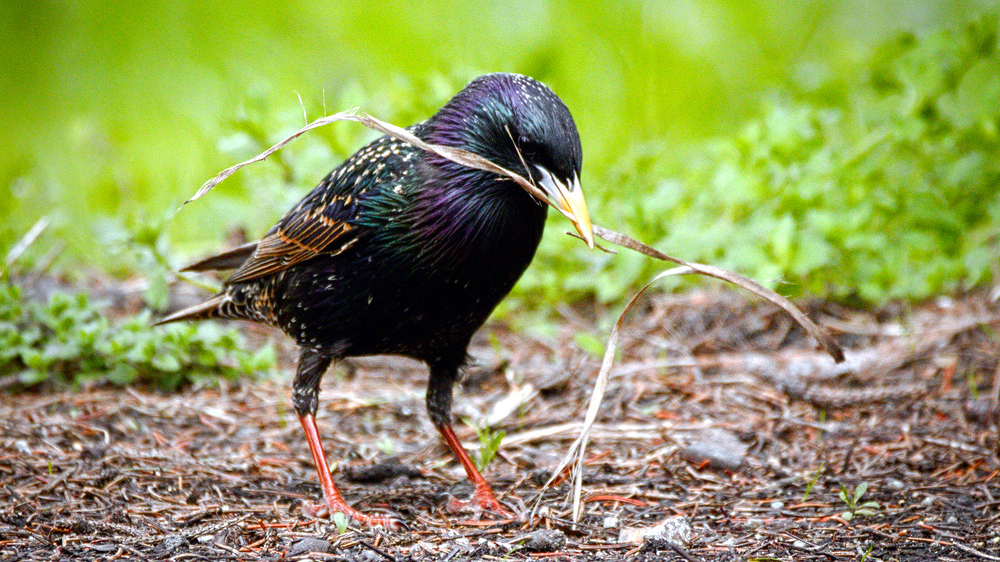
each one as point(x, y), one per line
point(519, 123)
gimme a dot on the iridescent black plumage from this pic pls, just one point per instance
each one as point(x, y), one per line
point(400, 251)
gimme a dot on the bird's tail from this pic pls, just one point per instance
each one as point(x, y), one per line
point(215, 307)
point(231, 259)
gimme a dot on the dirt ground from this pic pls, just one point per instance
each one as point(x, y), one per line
point(721, 422)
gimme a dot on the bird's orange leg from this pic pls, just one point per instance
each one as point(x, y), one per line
point(483, 498)
point(334, 501)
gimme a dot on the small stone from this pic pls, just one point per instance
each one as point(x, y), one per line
point(169, 544)
point(722, 449)
point(676, 530)
point(981, 410)
point(611, 522)
point(895, 484)
point(306, 545)
point(777, 505)
point(545, 540)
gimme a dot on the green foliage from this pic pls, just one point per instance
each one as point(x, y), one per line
point(589, 343)
point(872, 185)
point(69, 341)
point(892, 192)
point(489, 445)
point(812, 481)
point(142, 244)
point(340, 520)
point(386, 445)
point(855, 507)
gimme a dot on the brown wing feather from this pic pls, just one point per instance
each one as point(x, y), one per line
point(322, 222)
point(300, 237)
point(230, 259)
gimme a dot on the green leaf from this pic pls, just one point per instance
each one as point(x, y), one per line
point(860, 491)
point(589, 343)
point(166, 362)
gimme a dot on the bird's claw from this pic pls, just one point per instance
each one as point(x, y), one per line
point(325, 510)
point(482, 500)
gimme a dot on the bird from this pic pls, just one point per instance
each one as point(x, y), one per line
point(401, 251)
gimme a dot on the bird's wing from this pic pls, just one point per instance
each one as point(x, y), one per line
point(320, 224)
point(324, 222)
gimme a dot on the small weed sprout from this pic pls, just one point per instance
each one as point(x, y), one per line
point(489, 444)
point(855, 507)
point(340, 520)
point(386, 445)
point(812, 482)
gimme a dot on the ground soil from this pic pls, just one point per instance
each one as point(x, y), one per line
point(720, 419)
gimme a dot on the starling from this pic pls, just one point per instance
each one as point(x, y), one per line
point(400, 251)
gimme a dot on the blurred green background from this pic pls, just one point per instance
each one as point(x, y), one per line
point(826, 146)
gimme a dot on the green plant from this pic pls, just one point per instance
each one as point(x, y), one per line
point(341, 521)
point(888, 190)
point(812, 481)
point(589, 343)
point(386, 445)
point(68, 340)
point(971, 378)
point(867, 552)
point(855, 507)
point(489, 445)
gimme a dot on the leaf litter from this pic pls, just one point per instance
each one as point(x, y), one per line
point(702, 380)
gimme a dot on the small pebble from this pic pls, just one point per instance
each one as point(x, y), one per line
point(676, 530)
point(22, 446)
point(545, 540)
point(611, 522)
point(722, 449)
point(169, 544)
point(895, 484)
point(777, 505)
point(309, 544)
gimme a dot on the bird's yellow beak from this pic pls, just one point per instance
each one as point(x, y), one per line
point(568, 196)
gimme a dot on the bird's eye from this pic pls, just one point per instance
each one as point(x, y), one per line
point(527, 146)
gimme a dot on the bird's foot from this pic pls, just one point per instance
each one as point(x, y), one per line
point(327, 509)
point(482, 500)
